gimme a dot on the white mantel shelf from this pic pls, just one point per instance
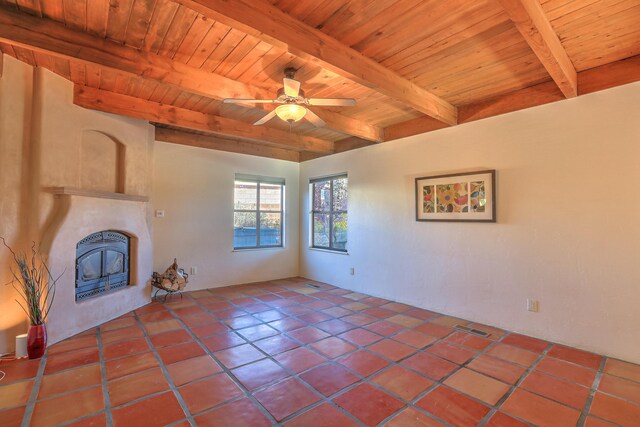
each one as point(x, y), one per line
point(71, 191)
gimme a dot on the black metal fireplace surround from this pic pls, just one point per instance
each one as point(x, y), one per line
point(102, 264)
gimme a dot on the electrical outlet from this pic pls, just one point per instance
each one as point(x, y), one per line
point(193, 271)
point(159, 213)
point(533, 305)
point(352, 271)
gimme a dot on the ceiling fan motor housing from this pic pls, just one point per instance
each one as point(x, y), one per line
point(290, 72)
point(282, 97)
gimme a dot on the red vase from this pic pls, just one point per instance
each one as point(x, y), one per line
point(36, 341)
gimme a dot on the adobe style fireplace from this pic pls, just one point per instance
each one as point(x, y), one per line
point(102, 264)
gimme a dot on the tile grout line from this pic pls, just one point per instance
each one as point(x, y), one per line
point(165, 372)
point(493, 408)
point(330, 398)
point(440, 382)
point(261, 321)
point(57, 395)
point(364, 349)
point(33, 397)
point(330, 361)
point(514, 386)
point(103, 378)
point(437, 383)
point(248, 394)
point(300, 309)
point(592, 393)
point(405, 327)
point(323, 399)
point(358, 348)
point(563, 379)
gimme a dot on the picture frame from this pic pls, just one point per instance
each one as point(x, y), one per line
point(458, 197)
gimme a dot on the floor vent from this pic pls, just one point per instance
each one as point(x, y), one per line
point(311, 285)
point(472, 330)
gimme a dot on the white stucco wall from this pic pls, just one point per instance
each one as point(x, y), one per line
point(567, 234)
point(194, 186)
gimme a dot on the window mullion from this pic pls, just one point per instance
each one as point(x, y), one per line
point(313, 214)
point(331, 214)
point(258, 215)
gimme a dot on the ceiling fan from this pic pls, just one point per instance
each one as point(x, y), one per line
point(294, 103)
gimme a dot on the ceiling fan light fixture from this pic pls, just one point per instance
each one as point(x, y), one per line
point(291, 112)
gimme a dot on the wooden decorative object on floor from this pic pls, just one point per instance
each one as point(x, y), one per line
point(173, 280)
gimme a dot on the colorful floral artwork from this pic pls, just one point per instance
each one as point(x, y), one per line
point(428, 202)
point(457, 197)
point(452, 197)
point(478, 197)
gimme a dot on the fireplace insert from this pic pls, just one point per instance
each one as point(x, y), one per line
point(102, 264)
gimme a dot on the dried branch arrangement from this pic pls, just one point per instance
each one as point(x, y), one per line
point(34, 283)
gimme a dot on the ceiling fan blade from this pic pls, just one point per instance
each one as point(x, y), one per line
point(291, 87)
point(246, 100)
point(314, 119)
point(332, 102)
point(266, 118)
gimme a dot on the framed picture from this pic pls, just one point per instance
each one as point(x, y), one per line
point(468, 196)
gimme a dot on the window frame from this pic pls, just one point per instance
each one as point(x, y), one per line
point(258, 180)
point(331, 212)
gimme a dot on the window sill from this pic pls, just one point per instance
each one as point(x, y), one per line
point(311, 248)
point(259, 249)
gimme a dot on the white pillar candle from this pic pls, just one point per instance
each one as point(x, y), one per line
point(21, 346)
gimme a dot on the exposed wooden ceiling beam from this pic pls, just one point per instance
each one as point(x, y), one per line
point(52, 38)
point(536, 29)
point(350, 143)
point(224, 144)
point(595, 79)
point(305, 155)
point(350, 126)
point(412, 127)
point(533, 96)
point(129, 106)
point(609, 75)
point(268, 23)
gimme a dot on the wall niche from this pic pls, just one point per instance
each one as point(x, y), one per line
point(102, 162)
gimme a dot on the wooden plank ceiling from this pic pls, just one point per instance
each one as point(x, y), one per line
point(412, 65)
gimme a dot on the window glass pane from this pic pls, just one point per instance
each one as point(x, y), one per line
point(340, 194)
point(244, 229)
point(270, 232)
point(340, 231)
point(245, 195)
point(270, 197)
point(321, 196)
point(321, 230)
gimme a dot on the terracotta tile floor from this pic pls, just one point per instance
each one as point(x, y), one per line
point(287, 353)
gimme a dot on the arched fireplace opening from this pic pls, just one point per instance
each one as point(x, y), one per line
point(102, 264)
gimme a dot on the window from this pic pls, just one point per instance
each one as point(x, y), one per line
point(329, 213)
point(258, 212)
